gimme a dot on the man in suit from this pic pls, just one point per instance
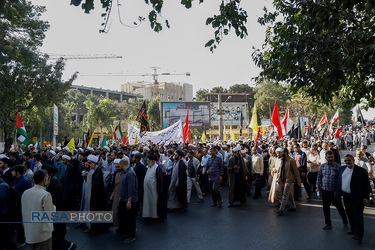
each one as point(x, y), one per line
point(355, 189)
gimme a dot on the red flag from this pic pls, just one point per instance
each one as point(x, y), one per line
point(125, 140)
point(186, 127)
point(284, 121)
point(334, 119)
point(337, 132)
point(323, 120)
point(258, 135)
point(276, 120)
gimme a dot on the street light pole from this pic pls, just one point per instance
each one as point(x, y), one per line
point(220, 107)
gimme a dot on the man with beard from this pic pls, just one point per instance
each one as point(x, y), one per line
point(237, 178)
point(178, 187)
point(155, 195)
point(354, 186)
point(115, 196)
point(287, 174)
point(69, 185)
point(96, 198)
point(327, 185)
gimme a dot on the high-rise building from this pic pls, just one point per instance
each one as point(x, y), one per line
point(167, 91)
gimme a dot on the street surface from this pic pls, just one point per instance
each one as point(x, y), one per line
point(254, 226)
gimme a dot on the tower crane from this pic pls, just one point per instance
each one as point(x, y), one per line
point(83, 56)
point(154, 75)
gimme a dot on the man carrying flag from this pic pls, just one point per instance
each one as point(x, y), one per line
point(21, 131)
point(143, 119)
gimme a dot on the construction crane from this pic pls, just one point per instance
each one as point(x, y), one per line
point(83, 56)
point(154, 75)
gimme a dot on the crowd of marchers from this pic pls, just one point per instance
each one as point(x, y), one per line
point(148, 181)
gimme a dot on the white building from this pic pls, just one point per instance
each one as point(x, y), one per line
point(167, 91)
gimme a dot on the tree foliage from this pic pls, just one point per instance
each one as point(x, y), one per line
point(324, 48)
point(153, 112)
point(231, 16)
point(26, 79)
point(265, 96)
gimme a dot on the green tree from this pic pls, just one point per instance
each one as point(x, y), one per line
point(266, 95)
point(153, 112)
point(26, 79)
point(324, 48)
point(219, 89)
point(241, 88)
point(201, 95)
point(101, 112)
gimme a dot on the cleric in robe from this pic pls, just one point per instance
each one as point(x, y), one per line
point(155, 195)
point(178, 187)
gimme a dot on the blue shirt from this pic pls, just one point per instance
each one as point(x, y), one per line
point(215, 167)
point(328, 176)
point(21, 184)
point(129, 185)
point(61, 169)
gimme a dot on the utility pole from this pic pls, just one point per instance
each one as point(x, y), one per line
point(220, 107)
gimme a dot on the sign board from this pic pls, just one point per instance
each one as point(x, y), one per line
point(199, 113)
point(231, 112)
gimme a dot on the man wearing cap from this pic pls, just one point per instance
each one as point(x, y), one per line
point(178, 187)
point(237, 177)
point(154, 197)
point(146, 150)
point(96, 198)
point(69, 185)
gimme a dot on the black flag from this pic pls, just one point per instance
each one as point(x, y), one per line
point(143, 119)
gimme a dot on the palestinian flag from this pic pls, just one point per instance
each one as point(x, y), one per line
point(21, 131)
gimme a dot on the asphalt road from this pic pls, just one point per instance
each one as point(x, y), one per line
point(254, 226)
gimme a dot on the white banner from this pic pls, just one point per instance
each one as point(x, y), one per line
point(166, 136)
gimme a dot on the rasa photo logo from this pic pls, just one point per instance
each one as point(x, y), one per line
point(71, 217)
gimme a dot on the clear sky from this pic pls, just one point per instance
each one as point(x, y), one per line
point(177, 50)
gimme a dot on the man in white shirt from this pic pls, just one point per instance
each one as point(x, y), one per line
point(258, 171)
point(355, 188)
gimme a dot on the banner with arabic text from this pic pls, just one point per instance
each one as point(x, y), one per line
point(166, 136)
